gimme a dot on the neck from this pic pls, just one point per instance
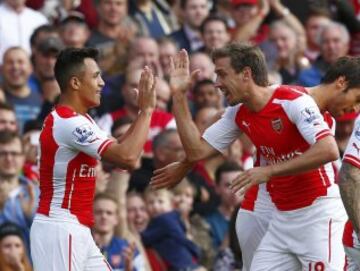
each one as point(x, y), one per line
point(257, 99)
point(74, 103)
point(20, 92)
point(103, 239)
point(322, 95)
point(109, 30)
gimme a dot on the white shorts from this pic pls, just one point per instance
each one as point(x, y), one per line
point(305, 239)
point(64, 246)
point(250, 229)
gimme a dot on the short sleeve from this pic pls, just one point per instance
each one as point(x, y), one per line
point(305, 114)
point(352, 151)
point(222, 133)
point(82, 133)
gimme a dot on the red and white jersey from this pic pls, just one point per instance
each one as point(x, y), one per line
point(70, 145)
point(352, 156)
point(285, 128)
point(159, 121)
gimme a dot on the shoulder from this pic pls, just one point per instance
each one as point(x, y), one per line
point(285, 92)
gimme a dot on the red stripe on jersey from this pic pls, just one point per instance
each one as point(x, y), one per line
point(352, 160)
point(329, 241)
point(70, 251)
point(104, 146)
point(249, 198)
point(322, 134)
point(48, 149)
point(348, 235)
point(80, 188)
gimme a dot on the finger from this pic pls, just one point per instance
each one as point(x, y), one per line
point(160, 184)
point(160, 170)
point(172, 64)
point(185, 59)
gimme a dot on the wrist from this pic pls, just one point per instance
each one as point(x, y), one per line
point(147, 111)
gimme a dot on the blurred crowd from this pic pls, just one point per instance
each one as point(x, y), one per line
point(191, 226)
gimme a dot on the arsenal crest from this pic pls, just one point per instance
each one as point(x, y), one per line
point(277, 125)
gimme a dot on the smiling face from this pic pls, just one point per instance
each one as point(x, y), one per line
point(215, 35)
point(91, 84)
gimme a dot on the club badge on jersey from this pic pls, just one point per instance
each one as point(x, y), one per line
point(277, 125)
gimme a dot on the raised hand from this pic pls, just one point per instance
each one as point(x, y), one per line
point(128, 254)
point(169, 176)
point(249, 178)
point(147, 93)
point(180, 77)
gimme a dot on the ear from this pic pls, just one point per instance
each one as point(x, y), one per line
point(75, 83)
point(247, 74)
point(341, 83)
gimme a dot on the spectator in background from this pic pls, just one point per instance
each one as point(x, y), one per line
point(17, 23)
point(166, 148)
point(189, 36)
point(147, 50)
point(205, 94)
point(114, 23)
point(162, 95)
point(7, 117)
point(219, 220)
point(203, 63)
point(166, 232)
point(18, 196)
point(118, 252)
point(214, 31)
point(16, 70)
point(334, 43)
point(197, 229)
point(343, 130)
point(13, 254)
point(290, 51)
point(137, 214)
point(167, 49)
point(154, 20)
point(41, 33)
point(74, 31)
point(314, 23)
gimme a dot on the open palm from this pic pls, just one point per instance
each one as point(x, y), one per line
point(180, 78)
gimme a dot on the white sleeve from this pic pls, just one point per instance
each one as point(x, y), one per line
point(83, 135)
point(305, 114)
point(222, 133)
point(352, 151)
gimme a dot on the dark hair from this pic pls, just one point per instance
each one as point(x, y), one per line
point(32, 125)
point(225, 167)
point(161, 139)
point(70, 62)
point(183, 3)
point(201, 83)
point(244, 55)
point(346, 66)
point(46, 28)
point(6, 106)
point(318, 12)
point(213, 18)
point(9, 228)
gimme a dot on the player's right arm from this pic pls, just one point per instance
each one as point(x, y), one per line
point(349, 178)
point(197, 147)
point(125, 153)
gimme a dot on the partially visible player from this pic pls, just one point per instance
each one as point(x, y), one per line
point(301, 182)
point(70, 145)
point(349, 182)
point(338, 93)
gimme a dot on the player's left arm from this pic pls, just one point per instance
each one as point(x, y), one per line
point(349, 177)
point(349, 182)
point(305, 114)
